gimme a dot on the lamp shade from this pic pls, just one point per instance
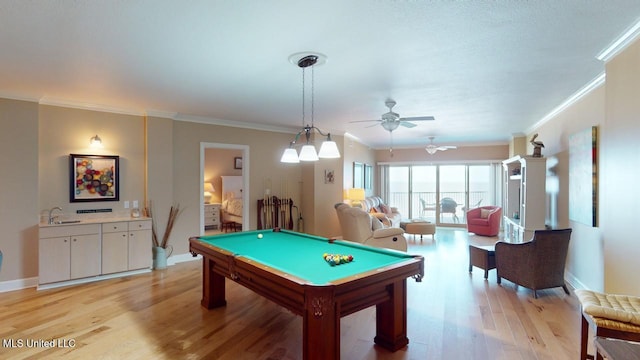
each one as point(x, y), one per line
point(208, 187)
point(356, 194)
point(308, 153)
point(290, 155)
point(329, 150)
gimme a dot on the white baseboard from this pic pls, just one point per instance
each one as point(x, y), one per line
point(175, 259)
point(573, 281)
point(19, 284)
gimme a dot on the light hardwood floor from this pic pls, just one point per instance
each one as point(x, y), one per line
point(452, 314)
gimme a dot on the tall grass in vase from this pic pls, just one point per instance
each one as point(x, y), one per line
point(161, 248)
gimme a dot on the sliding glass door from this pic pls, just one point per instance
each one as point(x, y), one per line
point(441, 193)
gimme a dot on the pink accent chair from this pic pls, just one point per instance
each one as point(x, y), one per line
point(484, 220)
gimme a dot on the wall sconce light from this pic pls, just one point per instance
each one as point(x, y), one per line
point(95, 142)
point(208, 192)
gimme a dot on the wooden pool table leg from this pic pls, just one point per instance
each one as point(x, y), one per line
point(391, 318)
point(321, 325)
point(213, 291)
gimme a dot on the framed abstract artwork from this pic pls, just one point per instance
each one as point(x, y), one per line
point(583, 177)
point(93, 178)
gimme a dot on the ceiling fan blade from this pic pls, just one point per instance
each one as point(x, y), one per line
point(418, 118)
point(359, 121)
point(371, 126)
point(407, 124)
point(446, 147)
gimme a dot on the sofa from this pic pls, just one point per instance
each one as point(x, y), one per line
point(359, 226)
point(484, 220)
point(387, 214)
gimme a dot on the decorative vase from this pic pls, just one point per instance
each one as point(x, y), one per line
point(160, 256)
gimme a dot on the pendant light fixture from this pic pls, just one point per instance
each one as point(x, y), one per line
point(328, 149)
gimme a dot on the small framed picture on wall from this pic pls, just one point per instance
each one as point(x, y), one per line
point(368, 176)
point(237, 162)
point(329, 177)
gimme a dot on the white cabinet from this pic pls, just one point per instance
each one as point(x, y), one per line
point(69, 252)
point(139, 247)
point(524, 206)
point(115, 247)
point(212, 216)
point(126, 246)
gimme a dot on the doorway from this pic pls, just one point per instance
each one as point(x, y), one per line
point(229, 166)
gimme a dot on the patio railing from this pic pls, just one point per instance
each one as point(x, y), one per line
point(411, 206)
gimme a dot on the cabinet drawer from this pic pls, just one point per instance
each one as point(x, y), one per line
point(140, 225)
point(114, 227)
point(69, 230)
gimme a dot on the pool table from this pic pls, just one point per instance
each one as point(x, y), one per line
point(289, 269)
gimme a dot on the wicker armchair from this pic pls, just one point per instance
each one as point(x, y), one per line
point(537, 264)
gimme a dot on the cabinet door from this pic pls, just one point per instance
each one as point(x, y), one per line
point(139, 249)
point(54, 260)
point(115, 250)
point(85, 255)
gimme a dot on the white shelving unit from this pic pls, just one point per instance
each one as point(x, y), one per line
point(524, 206)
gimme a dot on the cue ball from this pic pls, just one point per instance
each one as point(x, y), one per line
point(259, 236)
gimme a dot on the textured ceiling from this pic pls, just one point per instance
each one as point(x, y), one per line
point(484, 69)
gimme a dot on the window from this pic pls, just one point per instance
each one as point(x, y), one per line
point(441, 193)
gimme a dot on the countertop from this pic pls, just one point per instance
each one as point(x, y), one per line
point(101, 220)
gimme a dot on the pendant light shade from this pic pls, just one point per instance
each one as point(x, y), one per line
point(290, 155)
point(329, 148)
point(308, 153)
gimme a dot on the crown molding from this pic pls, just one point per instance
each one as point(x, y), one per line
point(620, 44)
point(45, 100)
point(18, 97)
point(236, 124)
point(592, 85)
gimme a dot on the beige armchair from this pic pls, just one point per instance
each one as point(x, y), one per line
point(537, 264)
point(358, 226)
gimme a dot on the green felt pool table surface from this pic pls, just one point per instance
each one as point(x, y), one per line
point(301, 255)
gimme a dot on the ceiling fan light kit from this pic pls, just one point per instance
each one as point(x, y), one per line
point(329, 148)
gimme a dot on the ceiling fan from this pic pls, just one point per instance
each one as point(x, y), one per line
point(391, 120)
point(433, 148)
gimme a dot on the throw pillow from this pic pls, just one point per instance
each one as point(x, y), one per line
point(484, 213)
point(375, 223)
point(385, 209)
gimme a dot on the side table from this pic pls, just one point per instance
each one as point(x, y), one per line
point(483, 257)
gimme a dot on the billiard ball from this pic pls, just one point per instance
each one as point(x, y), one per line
point(259, 236)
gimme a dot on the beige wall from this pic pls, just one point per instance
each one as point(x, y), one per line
point(620, 160)
point(18, 189)
point(585, 261)
point(65, 131)
point(605, 257)
point(35, 141)
point(461, 154)
point(355, 151)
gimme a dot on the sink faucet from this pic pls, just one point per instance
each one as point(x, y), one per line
point(51, 218)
